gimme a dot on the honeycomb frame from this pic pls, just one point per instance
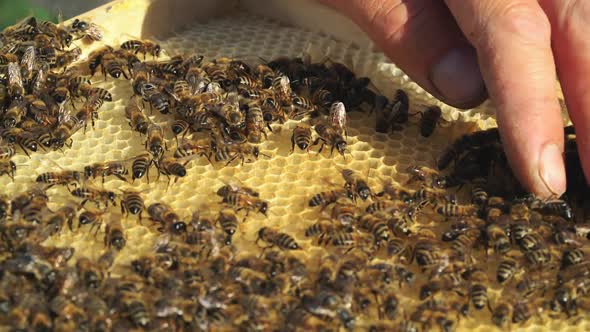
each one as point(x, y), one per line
point(287, 180)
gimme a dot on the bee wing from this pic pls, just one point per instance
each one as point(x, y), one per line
point(94, 32)
point(14, 74)
point(28, 60)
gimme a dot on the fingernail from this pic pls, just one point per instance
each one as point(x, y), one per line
point(552, 170)
point(457, 77)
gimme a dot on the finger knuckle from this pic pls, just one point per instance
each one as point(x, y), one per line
point(393, 19)
point(524, 20)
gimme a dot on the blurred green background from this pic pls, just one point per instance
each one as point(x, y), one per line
point(12, 11)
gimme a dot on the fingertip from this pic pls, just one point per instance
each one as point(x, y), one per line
point(551, 178)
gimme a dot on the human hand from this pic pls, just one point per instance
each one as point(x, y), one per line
point(447, 47)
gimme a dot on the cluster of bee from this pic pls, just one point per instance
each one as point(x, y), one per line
point(509, 253)
point(223, 109)
point(43, 100)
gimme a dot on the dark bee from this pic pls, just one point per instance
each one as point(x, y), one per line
point(274, 238)
point(82, 29)
point(429, 119)
point(301, 137)
point(392, 114)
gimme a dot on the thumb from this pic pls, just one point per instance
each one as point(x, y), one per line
point(422, 38)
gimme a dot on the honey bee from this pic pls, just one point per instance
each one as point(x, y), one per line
point(179, 127)
point(377, 226)
point(338, 117)
point(163, 214)
point(445, 282)
point(91, 217)
point(155, 141)
point(455, 210)
point(16, 91)
point(233, 151)
point(344, 212)
point(4, 208)
point(355, 183)
point(109, 62)
point(303, 107)
point(64, 178)
point(28, 63)
point(136, 310)
point(275, 238)
point(6, 58)
point(228, 221)
point(319, 228)
point(390, 114)
point(64, 131)
point(233, 188)
point(142, 46)
point(301, 137)
point(82, 29)
point(171, 166)
point(94, 195)
point(386, 206)
point(114, 235)
point(326, 198)
point(132, 202)
point(155, 97)
point(247, 202)
point(64, 215)
point(6, 151)
point(7, 167)
point(498, 238)
point(141, 166)
point(466, 142)
point(567, 294)
point(255, 123)
point(200, 147)
point(343, 239)
point(138, 121)
point(479, 196)
point(556, 207)
point(104, 169)
point(431, 116)
point(95, 58)
point(66, 58)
